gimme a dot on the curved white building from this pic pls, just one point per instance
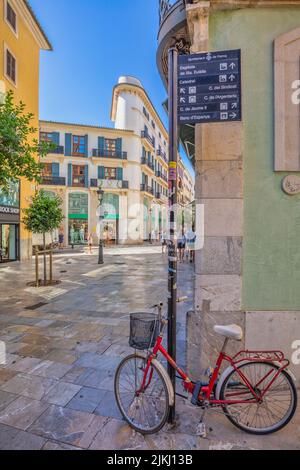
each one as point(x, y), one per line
point(129, 162)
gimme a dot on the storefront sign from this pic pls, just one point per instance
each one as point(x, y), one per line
point(209, 87)
point(9, 210)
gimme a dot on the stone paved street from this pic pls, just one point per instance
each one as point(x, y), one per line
point(64, 344)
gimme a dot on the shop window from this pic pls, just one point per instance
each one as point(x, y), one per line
point(287, 101)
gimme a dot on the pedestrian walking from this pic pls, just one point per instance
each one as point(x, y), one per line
point(90, 243)
point(191, 243)
point(181, 245)
point(61, 238)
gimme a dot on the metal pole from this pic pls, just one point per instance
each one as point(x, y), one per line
point(51, 266)
point(172, 277)
point(37, 267)
point(100, 254)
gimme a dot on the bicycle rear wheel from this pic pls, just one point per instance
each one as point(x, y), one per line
point(277, 406)
point(145, 410)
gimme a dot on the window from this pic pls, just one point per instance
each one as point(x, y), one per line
point(153, 124)
point(110, 173)
point(10, 67)
point(110, 145)
point(11, 17)
point(145, 112)
point(79, 146)
point(46, 136)
point(78, 176)
point(47, 170)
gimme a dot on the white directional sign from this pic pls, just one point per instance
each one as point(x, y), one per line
point(209, 87)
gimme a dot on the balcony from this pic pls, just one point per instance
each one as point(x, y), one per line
point(109, 184)
point(109, 154)
point(78, 182)
point(162, 154)
point(148, 139)
point(147, 189)
point(160, 175)
point(145, 161)
point(53, 181)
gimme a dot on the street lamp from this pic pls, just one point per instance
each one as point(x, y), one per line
point(150, 235)
point(100, 198)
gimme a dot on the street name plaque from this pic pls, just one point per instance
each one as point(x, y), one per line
point(209, 87)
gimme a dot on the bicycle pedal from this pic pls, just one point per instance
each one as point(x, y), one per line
point(196, 393)
point(201, 430)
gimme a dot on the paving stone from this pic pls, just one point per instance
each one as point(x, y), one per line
point(24, 441)
point(7, 433)
point(98, 361)
point(87, 399)
point(22, 412)
point(50, 369)
point(64, 357)
point(6, 375)
point(25, 365)
point(108, 407)
point(67, 426)
point(28, 386)
point(74, 373)
point(118, 435)
point(6, 399)
point(51, 445)
point(92, 378)
point(61, 393)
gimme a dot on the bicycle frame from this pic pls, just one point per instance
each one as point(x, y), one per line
point(206, 392)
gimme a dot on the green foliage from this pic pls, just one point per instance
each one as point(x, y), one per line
point(18, 147)
point(44, 213)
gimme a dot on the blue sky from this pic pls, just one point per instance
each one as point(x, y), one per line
point(94, 43)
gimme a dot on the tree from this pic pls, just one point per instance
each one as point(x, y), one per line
point(43, 216)
point(18, 146)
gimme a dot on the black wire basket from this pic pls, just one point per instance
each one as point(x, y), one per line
point(144, 330)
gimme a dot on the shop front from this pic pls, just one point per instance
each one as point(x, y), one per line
point(111, 217)
point(78, 218)
point(10, 224)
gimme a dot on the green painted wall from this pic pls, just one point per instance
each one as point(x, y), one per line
point(271, 258)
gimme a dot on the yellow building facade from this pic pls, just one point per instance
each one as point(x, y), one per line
point(21, 39)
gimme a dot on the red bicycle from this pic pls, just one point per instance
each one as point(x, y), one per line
point(256, 392)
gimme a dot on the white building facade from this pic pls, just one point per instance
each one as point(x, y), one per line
point(130, 164)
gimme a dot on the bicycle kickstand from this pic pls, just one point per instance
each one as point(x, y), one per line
point(201, 428)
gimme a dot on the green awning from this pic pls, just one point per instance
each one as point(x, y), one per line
point(78, 216)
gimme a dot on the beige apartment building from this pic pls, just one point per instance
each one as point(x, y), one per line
point(130, 164)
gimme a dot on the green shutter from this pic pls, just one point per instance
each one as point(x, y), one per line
point(101, 172)
point(86, 176)
point(119, 145)
point(68, 145)
point(119, 174)
point(55, 138)
point(55, 169)
point(70, 174)
point(101, 144)
point(86, 145)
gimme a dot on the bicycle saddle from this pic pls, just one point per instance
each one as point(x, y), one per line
point(230, 331)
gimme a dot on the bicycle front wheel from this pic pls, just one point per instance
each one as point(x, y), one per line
point(277, 405)
point(146, 409)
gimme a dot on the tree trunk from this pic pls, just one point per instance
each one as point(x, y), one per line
point(45, 260)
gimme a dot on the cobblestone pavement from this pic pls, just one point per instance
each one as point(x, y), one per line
point(64, 343)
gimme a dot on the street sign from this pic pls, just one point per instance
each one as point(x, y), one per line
point(209, 87)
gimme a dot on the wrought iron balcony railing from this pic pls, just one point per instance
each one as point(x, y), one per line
point(53, 181)
point(147, 136)
point(109, 184)
point(166, 5)
point(109, 154)
point(145, 161)
point(147, 189)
